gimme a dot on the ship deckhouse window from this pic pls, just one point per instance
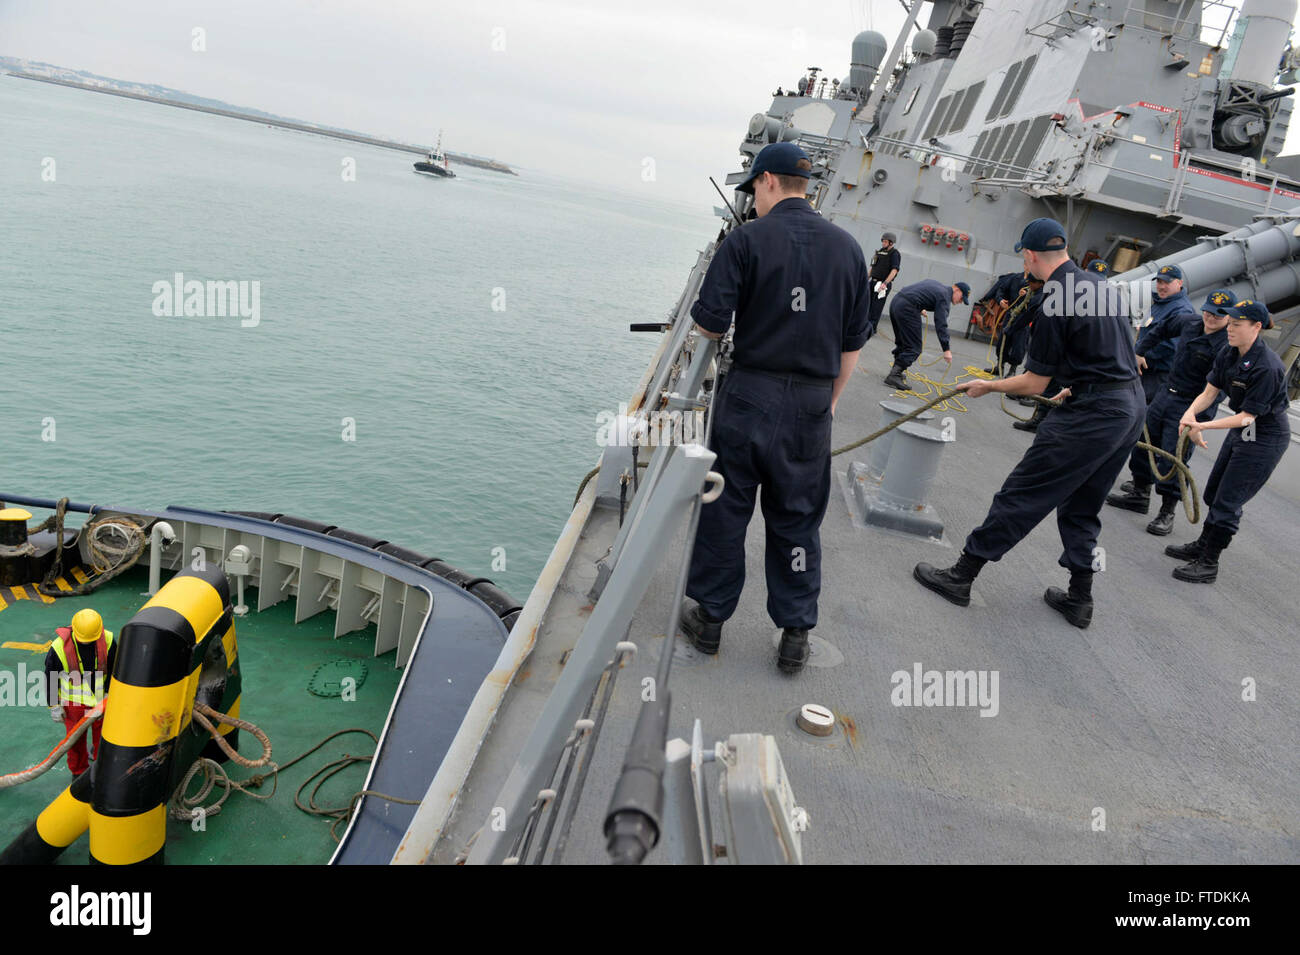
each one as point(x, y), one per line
point(936, 117)
point(978, 154)
point(995, 151)
point(1012, 145)
point(961, 114)
point(1026, 68)
point(996, 109)
point(1029, 148)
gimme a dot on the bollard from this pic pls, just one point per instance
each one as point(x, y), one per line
point(913, 464)
point(893, 410)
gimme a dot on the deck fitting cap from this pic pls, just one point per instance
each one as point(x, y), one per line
point(816, 719)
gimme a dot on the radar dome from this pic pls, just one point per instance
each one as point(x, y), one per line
point(869, 49)
point(923, 43)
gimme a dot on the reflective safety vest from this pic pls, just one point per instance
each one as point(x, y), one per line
point(78, 691)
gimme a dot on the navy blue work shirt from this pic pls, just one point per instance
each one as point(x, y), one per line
point(1194, 352)
point(1167, 314)
point(799, 289)
point(1081, 332)
point(1255, 383)
point(933, 296)
point(1006, 286)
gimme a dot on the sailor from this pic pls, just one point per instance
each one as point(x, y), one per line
point(80, 657)
point(997, 300)
point(884, 269)
point(1012, 335)
point(1255, 381)
point(905, 313)
point(1198, 342)
point(1169, 303)
point(1081, 337)
point(799, 289)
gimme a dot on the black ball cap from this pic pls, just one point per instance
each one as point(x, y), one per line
point(780, 159)
point(1042, 235)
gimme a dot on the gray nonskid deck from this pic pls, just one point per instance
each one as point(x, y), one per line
point(1140, 716)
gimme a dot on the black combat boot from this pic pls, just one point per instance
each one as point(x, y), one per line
point(1164, 521)
point(1138, 499)
point(793, 652)
point(1076, 603)
point(954, 583)
point(896, 377)
point(704, 633)
point(1204, 568)
point(1189, 551)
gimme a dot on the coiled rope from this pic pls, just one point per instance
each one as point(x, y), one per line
point(115, 544)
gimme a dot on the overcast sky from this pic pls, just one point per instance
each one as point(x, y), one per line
point(582, 89)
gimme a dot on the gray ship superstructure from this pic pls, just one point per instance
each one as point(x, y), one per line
point(1153, 141)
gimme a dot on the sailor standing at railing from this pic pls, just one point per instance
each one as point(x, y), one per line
point(1081, 338)
point(799, 290)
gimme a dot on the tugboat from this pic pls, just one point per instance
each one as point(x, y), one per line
point(436, 164)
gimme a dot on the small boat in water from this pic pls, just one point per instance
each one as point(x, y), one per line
point(436, 164)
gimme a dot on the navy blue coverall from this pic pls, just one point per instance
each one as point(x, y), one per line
point(931, 296)
point(882, 263)
point(798, 286)
point(1160, 358)
point(1193, 357)
point(1256, 384)
point(1081, 446)
point(1016, 331)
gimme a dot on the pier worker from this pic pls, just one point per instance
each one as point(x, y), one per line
point(1255, 381)
point(81, 655)
point(1169, 303)
point(1081, 337)
point(799, 291)
point(905, 311)
point(884, 269)
point(1197, 344)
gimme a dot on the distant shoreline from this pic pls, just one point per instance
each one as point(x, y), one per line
point(491, 164)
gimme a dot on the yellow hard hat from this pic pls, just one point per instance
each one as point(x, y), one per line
point(87, 626)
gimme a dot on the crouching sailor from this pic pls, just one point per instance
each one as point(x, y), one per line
point(80, 657)
point(1082, 338)
point(1255, 380)
point(905, 315)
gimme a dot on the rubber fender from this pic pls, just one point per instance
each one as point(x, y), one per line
point(306, 525)
point(355, 538)
point(448, 572)
point(402, 553)
point(496, 598)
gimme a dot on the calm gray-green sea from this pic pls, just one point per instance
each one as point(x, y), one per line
point(420, 360)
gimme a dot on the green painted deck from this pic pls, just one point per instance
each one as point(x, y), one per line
point(278, 660)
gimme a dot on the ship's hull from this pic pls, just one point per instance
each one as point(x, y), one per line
point(433, 169)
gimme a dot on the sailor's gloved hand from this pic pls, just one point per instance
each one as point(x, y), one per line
point(56, 714)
